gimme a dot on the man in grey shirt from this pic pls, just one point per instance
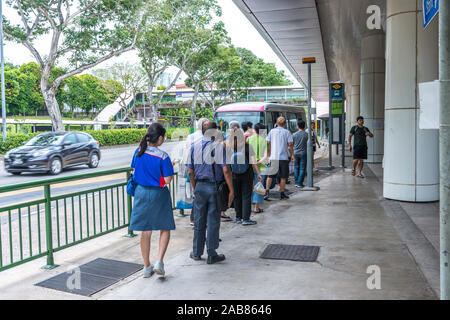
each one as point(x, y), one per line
point(300, 144)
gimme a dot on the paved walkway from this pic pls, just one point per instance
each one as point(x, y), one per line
point(354, 227)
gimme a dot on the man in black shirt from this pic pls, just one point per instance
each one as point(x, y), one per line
point(360, 146)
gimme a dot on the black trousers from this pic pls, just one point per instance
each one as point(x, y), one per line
point(243, 187)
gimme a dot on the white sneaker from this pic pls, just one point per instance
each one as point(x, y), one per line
point(147, 272)
point(159, 268)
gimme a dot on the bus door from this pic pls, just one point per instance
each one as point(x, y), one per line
point(274, 115)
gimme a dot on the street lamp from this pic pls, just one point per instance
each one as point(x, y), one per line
point(310, 187)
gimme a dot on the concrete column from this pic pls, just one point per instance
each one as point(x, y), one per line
point(355, 97)
point(411, 155)
point(372, 93)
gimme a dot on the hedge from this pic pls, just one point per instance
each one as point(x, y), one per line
point(15, 140)
point(104, 137)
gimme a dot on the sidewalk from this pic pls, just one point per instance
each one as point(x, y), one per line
point(347, 218)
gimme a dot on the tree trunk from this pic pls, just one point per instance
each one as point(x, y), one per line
point(194, 104)
point(153, 107)
point(49, 94)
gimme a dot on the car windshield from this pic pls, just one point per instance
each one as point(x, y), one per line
point(45, 140)
point(224, 118)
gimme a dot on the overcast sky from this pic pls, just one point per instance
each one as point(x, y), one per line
point(240, 30)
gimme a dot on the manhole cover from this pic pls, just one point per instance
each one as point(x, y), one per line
point(291, 252)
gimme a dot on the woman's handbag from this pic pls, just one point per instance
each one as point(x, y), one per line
point(131, 186)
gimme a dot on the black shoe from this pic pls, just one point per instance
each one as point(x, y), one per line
point(216, 258)
point(196, 258)
point(266, 197)
point(283, 196)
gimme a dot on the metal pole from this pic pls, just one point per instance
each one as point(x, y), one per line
point(143, 104)
point(444, 145)
point(309, 150)
point(2, 73)
point(330, 138)
point(130, 233)
point(343, 137)
point(48, 228)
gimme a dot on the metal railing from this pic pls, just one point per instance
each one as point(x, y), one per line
point(38, 228)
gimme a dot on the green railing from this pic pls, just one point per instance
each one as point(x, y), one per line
point(38, 228)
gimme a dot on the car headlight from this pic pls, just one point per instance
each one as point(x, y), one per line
point(39, 153)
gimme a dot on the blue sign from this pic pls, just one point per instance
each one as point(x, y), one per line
point(429, 10)
point(337, 91)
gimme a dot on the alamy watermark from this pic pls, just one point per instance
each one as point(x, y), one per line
point(374, 20)
point(374, 280)
point(73, 282)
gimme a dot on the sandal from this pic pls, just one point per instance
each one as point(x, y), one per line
point(353, 172)
point(259, 211)
point(360, 176)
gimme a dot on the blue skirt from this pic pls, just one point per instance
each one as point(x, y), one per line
point(152, 209)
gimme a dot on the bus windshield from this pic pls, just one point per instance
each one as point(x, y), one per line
point(224, 118)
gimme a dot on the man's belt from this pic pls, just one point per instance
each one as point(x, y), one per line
point(205, 180)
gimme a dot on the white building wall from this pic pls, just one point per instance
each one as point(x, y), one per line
point(411, 161)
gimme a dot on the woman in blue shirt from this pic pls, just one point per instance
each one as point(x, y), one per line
point(152, 207)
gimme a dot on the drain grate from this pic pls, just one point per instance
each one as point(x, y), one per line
point(291, 252)
point(94, 276)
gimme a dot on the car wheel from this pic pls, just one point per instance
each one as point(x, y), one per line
point(93, 160)
point(16, 173)
point(55, 166)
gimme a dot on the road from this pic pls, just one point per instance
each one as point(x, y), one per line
point(112, 157)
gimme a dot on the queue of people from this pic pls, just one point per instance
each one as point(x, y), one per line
point(223, 172)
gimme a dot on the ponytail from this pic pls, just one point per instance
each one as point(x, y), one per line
point(155, 131)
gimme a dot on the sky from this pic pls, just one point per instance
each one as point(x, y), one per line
point(240, 30)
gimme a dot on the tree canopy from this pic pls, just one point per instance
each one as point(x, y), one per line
point(86, 93)
point(86, 32)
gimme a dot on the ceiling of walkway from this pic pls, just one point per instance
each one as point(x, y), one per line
point(330, 30)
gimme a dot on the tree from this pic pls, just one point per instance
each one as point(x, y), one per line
point(250, 71)
point(90, 33)
point(169, 39)
point(254, 72)
point(87, 93)
point(206, 62)
point(221, 83)
point(125, 80)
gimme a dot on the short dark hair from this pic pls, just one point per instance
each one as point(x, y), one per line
point(259, 126)
point(249, 124)
point(359, 118)
point(244, 126)
point(301, 124)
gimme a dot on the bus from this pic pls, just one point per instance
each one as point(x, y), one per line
point(260, 112)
